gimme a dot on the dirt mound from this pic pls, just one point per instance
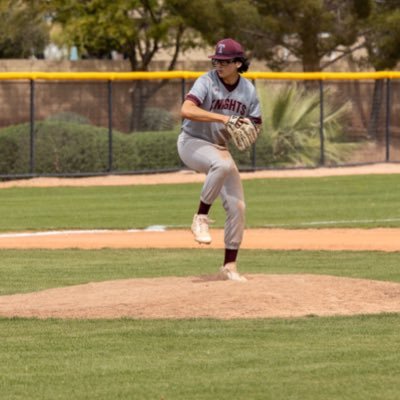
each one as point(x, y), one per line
point(262, 296)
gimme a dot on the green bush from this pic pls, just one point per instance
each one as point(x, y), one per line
point(11, 155)
point(62, 148)
point(157, 150)
point(59, 148)
point(66, 144)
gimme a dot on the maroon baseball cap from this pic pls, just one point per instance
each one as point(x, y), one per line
point(227, 49)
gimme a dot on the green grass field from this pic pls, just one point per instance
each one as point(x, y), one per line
point(365, 201)
point(314, 358)
point(307, 358)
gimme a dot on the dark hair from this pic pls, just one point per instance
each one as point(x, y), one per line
point(245, 64)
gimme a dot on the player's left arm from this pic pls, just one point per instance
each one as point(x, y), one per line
point(255, 115)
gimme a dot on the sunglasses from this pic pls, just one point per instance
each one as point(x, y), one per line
point(223, 63)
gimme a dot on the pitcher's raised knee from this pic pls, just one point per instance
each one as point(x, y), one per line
point(223, 166)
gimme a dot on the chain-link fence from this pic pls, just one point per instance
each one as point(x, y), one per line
point(57, 124)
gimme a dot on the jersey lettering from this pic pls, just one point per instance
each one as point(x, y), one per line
point(229, 104)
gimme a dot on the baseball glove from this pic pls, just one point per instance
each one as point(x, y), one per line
point(242, 132)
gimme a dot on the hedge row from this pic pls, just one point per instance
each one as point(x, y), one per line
point(69, 147)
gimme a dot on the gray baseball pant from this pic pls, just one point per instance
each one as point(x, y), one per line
point(222, 179)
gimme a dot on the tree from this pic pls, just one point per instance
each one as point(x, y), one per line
point(138, 29)
point(308, 30)
point(382, 42)
point(382, 34)
point(23, 29)
point(290, 115)
point(278, 31)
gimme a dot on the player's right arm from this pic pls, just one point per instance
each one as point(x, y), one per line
point(192, 111)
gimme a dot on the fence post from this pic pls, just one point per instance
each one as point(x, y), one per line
point(110, 126)
point(32, 128)
point(183, 89)
point(253, 147)
point(183, 95)
point(388, 107)
point(321, 123)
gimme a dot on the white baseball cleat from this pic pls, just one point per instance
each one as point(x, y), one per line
point(200, 228)
point(229, 272)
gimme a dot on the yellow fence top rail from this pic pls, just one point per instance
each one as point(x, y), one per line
point(120, 76)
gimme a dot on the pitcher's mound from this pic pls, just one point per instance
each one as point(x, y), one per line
point(262, 296)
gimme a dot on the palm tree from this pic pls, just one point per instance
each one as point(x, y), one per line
point(291, 125)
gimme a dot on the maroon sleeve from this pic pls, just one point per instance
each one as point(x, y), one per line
point(193, 98)
point(254, 120)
